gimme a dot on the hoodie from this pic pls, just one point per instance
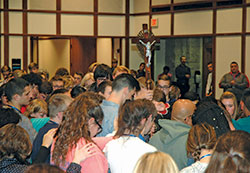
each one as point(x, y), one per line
point(172, 139)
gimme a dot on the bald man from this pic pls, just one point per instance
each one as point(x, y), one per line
point(172, 137)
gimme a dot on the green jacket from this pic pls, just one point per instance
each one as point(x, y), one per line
point(172, 139)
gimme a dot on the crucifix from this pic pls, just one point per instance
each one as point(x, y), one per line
point(145, 43)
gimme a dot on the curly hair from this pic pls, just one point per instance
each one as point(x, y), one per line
point(200, 136)
point(15, 142)
point(75, 126)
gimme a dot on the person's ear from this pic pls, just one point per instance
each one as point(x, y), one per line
point(16, 97)
point(91, 121)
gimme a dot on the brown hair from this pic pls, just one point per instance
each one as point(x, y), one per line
point(174, 92)
point(200, 136)
point(156, 162)
point(130, 115)
point(229, 95)
point(15, 142)
point(36, 106)
point(232, 153)
point(159, 95)
point(75, 126)
point(43, 168)
point(92, 67)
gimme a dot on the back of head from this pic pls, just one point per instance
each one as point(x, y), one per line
point(43, 168)
point(166, 69)
point(5, 68)
point(33, 79)
point(131, 113)
point(163, 77)
point(159, 96)
point(174, 92)
point(15, 86)
point(124, 80)
point(14, 143)
point(232, 153)
point(75, 126)
point(211, 113)
point(46, 88)
point(190, 95)
point(33, 65)
point(76, 91)
point(182, 109)
point(61, 72)
point(101, 88)
point(158, 162)
point(58, 103)
point(103, 71)
point(7, 116)
point(200, 136)
point(246, 98)
point(121, 69)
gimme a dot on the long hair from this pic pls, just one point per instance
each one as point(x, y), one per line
point(130, 115)
point(232, 153)
point(229, 95)
point(156, 162)
point(200, 136)
point(75, 126)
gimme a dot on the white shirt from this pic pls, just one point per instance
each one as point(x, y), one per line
point(209, 83)
point(196, 167)
point(123, 153)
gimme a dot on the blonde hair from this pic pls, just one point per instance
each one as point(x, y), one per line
point(68, 81)
point(229, 95)
point(121, 68)
point(92, 67)
point(142, 82)
point(36, 106)
point(87, 77)
point(156, 162)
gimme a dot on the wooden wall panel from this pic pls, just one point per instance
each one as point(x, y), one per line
point(78, 5)
point(15, 4)
point(247, 65)
point(2, 22)
point(248, 20)
point(56, 52)
point(161, 2)
point(41, 23)
point(15, 22)
point(73, 24)
point(15, 48)
point(111, 6)
point(229, 20)
point(198, 22)
point(136, 24)
point(164, 24)
point(104, 23)
point(2, 50)
point(228, 49)
point(104, 50)
point(42, 4)
point(139, 6)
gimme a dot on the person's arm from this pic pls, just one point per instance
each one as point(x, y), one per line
point(44, 151)
point(244, 84)
point(81, 154)
point(224, 84)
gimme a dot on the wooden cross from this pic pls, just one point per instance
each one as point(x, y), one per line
point(147, 39)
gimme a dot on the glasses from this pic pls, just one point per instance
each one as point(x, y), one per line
point(99, 127)
point(163, 87)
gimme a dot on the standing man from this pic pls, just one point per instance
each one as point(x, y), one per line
point(234, 81)
point(209, 87)
point(183, 74)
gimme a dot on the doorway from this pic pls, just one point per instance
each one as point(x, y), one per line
point(198, 51)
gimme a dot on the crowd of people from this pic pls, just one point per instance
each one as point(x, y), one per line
point(109, 121)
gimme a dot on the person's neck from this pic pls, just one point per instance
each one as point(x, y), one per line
point(116, 97)
point(14, 104)
point(56, 120)
point(203, 153)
